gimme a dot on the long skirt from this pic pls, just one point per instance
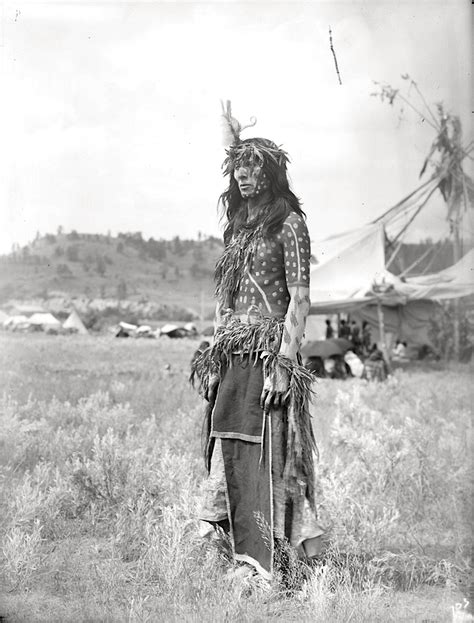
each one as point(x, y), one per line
point(245, 486)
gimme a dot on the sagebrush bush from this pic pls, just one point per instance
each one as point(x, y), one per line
point(399, 482)
point(22, 554)
point(99, 496)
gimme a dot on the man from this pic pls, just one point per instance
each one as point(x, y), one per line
point(260, 446)
point(345, 330)
point(366, 337)
point(329, 330)
point(355, 338)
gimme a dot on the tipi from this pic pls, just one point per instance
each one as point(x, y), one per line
point(75, 323)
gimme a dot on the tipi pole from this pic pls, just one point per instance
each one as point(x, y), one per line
point(383, 340)
point(456, 257)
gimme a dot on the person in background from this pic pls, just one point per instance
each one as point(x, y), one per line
point(355, 364)
point(329, 330)
point(399, 353)
point(375, 366)
point(366, 337)
point(345, 330)
point(316, 366)
point(355, 338)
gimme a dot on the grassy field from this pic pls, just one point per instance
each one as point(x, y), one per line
point(100, 470)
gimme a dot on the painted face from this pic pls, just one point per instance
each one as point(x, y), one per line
point(251, 179)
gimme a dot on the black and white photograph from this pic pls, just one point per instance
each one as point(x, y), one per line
point(236, 311)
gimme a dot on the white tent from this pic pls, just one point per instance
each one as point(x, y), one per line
point(16, 322)
point(168, 328)
point(452, 282)
point(352, 277)
point(46, 320)
point(74, 323)
point(354, 266)
point(348, 265)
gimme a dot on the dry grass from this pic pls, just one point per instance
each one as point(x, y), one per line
point(100, 469)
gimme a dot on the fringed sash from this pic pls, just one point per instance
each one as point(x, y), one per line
point(234, 263)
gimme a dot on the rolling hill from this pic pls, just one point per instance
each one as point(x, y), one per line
point(173, 276)
point(140, 278)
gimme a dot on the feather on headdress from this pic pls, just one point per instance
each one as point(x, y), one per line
point(231, 128)
point(250, 150)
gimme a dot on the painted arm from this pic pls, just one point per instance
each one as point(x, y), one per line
point(295, 321)
point(296, 245)
point(276, 386)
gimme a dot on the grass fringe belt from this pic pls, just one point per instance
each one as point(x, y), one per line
point(258, 345)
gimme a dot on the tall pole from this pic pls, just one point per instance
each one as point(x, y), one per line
point(456, 176)
point(456, 258)
point(383, 340)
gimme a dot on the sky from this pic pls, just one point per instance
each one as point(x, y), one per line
point(110, 111)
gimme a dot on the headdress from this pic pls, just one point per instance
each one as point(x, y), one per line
point(251, 150)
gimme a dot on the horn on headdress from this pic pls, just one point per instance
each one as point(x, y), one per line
point(231, 128)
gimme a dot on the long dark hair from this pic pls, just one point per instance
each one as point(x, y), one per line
point(281, 202)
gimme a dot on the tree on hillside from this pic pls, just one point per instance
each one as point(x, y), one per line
point(198, 254)
point(60, 230)
point(177, 246)
point(212, 241)
point(156, 249)
point(63, 270)
point(100, 266)
point(72, 253)
point(121, 290)
point(73, 235)
point(58, 251)
point(194, 270)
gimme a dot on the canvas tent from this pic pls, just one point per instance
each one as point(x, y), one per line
point(453, 282)
point(75, 324)
point(345, 279)
point(16, 323)
point(410, 322)
point(352, 276)
point(348, 265)
point(45, 320)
